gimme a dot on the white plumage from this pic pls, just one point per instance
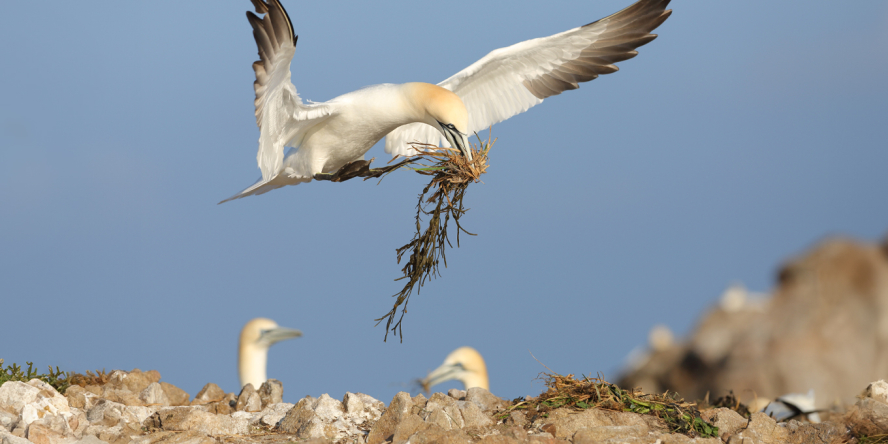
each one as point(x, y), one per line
point(322, 137)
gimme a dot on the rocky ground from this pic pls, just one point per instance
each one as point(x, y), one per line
point(137, 407)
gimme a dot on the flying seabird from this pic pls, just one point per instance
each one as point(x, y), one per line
point(322, 137)
point(252, 356)
point(464, 364)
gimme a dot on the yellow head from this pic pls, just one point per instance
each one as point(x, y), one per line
point(445, 111)
point(464, 364)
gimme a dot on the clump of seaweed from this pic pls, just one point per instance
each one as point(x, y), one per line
point(54, 377)
point(451, 173)
point(569, 392)
point(100, 377)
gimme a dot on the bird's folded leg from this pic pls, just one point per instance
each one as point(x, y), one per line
point(358, 168)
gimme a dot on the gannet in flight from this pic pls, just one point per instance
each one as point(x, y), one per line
point(464, 364)
point(256, 336)
point(323, 137)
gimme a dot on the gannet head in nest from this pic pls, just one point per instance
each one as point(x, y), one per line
point(464, 364)
point(256, 336)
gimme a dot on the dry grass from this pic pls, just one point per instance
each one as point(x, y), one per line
point(579, 394)
point(441, 201)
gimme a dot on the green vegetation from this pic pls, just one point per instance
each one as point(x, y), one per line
point(567, 391)
point(56, 378)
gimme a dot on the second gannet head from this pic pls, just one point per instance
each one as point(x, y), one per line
point(256, 336)
point(464, 364)
point(445, 111)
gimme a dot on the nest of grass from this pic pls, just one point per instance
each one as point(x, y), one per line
point(580, 394)
point(440, 202)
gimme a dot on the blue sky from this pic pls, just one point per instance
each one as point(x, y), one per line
point(740, 137)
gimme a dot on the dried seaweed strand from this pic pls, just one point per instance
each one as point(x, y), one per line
point(451, 175)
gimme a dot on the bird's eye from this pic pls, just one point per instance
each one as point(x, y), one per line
point(450, 125)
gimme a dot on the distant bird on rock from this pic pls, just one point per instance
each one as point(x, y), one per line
point(256, 336)
point(464, 364)
point(323, 137)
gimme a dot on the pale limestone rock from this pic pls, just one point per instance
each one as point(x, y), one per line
point(56, 423)
point(177, 396)
point(272, 414)
point(106, 413)
point(190, 437)
point(9, 438)
point(408, 426)
point(362, 408)
point(329, 418)
point(384, 429)
point(120, 395)
point(248, 400)
point(869, 417)
point(728, 421)
point(517, 417)
point(196, 419)
point(154, 395)
point(437, 435)
point(593, 435)
point(563, 424)
point(209, 393)
point(77, 422)
point(457, 394)
point(41, 434)
point(486, 400)
point(89, 439)
point(80, 398)
point(419, 400)
point(7, 420)
point(824, 433)
point(314, 418)
point(271, 392)
point(443, 411)
point(877, 390)
point(138, 414)
point(111, 434)
point(473, 416)
point(761, 429)
point(14, 395)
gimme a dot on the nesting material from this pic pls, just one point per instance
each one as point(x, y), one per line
point(441, 202)
point(586, 393)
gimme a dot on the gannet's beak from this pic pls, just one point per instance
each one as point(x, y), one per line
point(277, 334)
point(457, 140)
point(443, 373)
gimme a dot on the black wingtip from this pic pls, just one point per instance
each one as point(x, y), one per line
point(289, 22)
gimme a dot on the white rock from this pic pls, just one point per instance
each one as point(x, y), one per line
point(272, 414)
point(14, 395)
point(7, 420)
point(89, 439)
point(361, 407)
point(154, 395)
point(328, 409)
point(877, 390)
point(9, 438)
point(243, 415)
point(105, 412)
point(134, 414)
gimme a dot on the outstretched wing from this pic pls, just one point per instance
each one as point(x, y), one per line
point(280, 112)
point(509, 81)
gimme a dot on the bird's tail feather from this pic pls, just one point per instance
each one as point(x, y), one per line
point(262, 187)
